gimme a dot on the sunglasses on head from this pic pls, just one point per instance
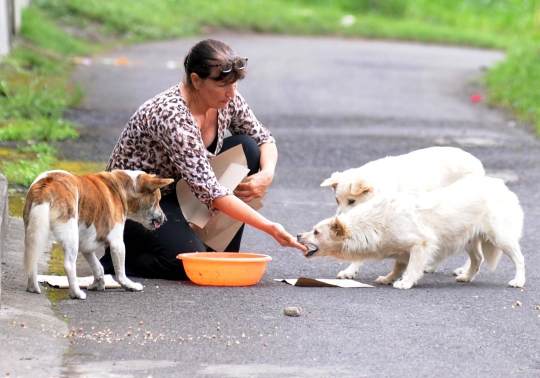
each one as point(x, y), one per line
point(225, 67)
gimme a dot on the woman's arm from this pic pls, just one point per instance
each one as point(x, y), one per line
point(269, 156)
point(235, 208)
point(256, 185)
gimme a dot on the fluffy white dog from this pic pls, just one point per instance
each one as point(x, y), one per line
point(477, 213)
point(416, 172)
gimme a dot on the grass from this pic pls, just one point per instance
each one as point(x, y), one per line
point(511, 25)
point(487, 23)
point(514, 83)
point(38, 128)
point(35, 87)
point(35, 90)
point(22, 166)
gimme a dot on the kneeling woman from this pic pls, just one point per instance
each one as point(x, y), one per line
point(174, 135)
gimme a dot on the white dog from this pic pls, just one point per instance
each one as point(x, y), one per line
point(416, 172)
point(415, 229)
point(85, 213)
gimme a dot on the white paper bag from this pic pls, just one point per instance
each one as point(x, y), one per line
point(230, 168)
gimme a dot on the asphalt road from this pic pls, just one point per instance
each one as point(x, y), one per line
point(332, 104)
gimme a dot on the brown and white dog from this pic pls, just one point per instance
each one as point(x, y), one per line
point(85, 213)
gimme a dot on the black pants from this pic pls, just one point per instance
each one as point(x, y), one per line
point(152, 254)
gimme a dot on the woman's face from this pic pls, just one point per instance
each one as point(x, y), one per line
point(216, 94)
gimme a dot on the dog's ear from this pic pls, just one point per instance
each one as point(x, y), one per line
point(338, 228)
point(151, 184)
point(358, 188)
point(331, 181)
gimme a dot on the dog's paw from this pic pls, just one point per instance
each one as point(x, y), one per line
point(459, 272)
point(516, 283)
point(431, 267)
point(402, 285)
point(382, 280)
point(97, 285)
point(33, 285)
point(78, 294)
point(463, 278)
point(134, 286)
point(346, 274)
point(33, 289)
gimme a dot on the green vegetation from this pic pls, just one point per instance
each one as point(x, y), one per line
point(35, 89)
point(56, 268)
point(22, 166)
point(34, 80)
point(515, 82)
point(489, 23)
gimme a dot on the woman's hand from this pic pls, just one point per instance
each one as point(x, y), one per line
point(254, 186)
point(284, 238)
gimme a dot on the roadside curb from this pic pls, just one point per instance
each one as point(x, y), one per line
point(33, 339)
point(4, 222)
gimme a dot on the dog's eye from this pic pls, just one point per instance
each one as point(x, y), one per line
point(315, 232)
point(351, 202)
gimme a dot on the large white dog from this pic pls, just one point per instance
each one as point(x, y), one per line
point(416, 172)
point(477, 213)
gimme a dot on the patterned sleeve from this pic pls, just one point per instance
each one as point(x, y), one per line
point(243, 121)
point(181, 142)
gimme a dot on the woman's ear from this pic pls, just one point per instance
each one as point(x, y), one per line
point(195, 80)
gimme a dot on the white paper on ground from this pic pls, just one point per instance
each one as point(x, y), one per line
point(321, 282)
point(61, 282)
point(230, 168)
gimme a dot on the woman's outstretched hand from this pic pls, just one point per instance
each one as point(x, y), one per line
point(235, 208)
point(284, 238)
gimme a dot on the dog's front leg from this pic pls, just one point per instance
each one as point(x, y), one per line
point(118, 255)
point(97, 271)
point(351, 270)
point(418, 258)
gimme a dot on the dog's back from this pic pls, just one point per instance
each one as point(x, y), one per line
point(475, 201)
point(90, 199)
point(418, 171)
point(474, 210)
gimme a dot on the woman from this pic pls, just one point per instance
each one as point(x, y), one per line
point(174, 135)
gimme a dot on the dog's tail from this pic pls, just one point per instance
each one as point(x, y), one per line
point(37, 226)
point(492, 254)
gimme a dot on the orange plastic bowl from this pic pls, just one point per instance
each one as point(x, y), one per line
point(224, 268)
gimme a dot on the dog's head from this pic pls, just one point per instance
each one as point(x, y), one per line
point(349, 190)
point(143, 196)
point(326, 238)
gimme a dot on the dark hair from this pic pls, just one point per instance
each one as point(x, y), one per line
point(211, 51)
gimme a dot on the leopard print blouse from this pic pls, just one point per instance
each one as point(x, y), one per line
point(162, 138)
